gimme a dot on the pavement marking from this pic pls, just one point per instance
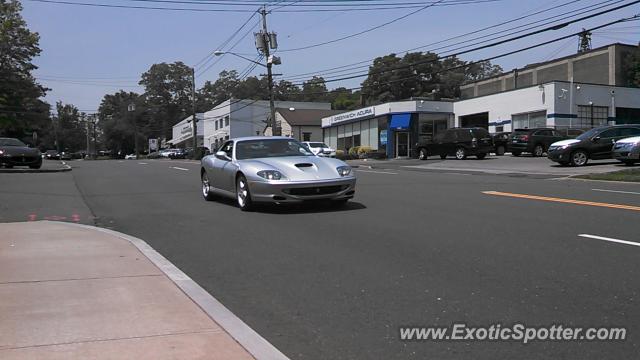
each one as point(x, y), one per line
point(248, 338)
point(377, 172)
point(561, 200)
point(618, 191)
point(609, 239)
point(179, 168)
point(143, 163)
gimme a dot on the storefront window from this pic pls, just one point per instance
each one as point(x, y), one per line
point(430, 125)
point(356, 140)
point(591, 116)
point(529, 120)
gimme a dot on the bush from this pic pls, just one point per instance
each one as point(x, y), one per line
point(340, 154)
point(364, 151)
point(353, 151)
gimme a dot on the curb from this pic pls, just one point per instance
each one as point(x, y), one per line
point(248, 338)
point(65, 168)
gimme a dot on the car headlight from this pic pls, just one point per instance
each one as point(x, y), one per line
point(271, 174)
point(1, 152)
point(344, 170)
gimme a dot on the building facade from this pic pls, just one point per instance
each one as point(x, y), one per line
point(301, 124)
point(601, 66)
point(236, 118)
point(183, 132)
point(395, 128)
point(389, 129)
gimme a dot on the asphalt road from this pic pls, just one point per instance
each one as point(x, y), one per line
point(413, 248)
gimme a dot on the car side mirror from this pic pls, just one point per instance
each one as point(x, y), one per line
point(595, 139)
point(222, 155)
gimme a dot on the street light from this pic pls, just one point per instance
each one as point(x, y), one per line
point(271, 60)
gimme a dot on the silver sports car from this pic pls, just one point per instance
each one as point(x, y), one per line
point(276, 170)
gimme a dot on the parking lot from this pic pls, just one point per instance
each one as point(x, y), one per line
point(522, 165)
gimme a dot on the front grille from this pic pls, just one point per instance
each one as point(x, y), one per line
point(318, 190)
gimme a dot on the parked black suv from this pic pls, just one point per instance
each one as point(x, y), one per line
point(594, 144)
point(460, 142)
point(501, 142)
point(535, 141)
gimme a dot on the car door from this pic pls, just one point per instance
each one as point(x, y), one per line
point(222, 167)
point(602, 143)
point(447, 145)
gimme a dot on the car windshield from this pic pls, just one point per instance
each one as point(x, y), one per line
point(11, 142)
point(317, 145)
point(588, 135)
point(253, 149)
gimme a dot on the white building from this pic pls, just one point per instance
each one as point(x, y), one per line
point(394, 128)
point(236, 118)
point(183, 132)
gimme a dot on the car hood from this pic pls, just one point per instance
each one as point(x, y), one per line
point(565, 142)
point(19, 151)
point(296, 168)
point(631, 140)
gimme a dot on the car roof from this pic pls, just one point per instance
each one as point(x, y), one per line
point(246, 138)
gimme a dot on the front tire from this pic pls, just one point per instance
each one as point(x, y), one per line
point(629, 162)
point(243, 195)
point(538, 150)
point(461, 153)
point(579, 158)
point(422, 154)
point(500, 150)
point(206, 187)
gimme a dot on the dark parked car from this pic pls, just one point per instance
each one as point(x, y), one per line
point(627, 150)
point(52, 155)
point(14, 152)
point(501, 142)
point(535, 141)
point(178, 154)
point(594, 144)
point(459, 142)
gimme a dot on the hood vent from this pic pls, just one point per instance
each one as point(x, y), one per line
point(304, 165)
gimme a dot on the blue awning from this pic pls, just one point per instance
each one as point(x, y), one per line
point(400, 121)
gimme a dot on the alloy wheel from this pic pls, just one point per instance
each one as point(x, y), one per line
point(579, 158)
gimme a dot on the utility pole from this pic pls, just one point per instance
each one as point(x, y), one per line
point(88, 137)
point(264, 41)
point(194, 126)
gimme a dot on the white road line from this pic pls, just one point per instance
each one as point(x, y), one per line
point(141, 163)
point(377, 172)
point(179, 168)
point(618, 191)
point(609, 239)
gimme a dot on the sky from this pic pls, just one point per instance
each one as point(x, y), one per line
point(88, 52)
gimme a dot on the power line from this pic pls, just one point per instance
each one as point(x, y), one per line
point(550, 28)
point(633, 18)
point(352, 66)
point(364, 31)
point(102, 5)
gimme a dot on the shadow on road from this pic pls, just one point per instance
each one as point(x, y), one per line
point(318, 206)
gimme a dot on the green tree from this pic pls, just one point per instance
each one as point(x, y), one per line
point(21, 110)
point(392, 78)
point(70, 127)
point(168, 93)
point(118, 126)
point(314, 89)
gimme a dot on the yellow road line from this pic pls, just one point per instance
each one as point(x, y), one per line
point(561, 200)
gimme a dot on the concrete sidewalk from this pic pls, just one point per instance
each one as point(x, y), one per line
point(75, 292)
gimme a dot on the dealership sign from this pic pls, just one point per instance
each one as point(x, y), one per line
point(353, 115)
